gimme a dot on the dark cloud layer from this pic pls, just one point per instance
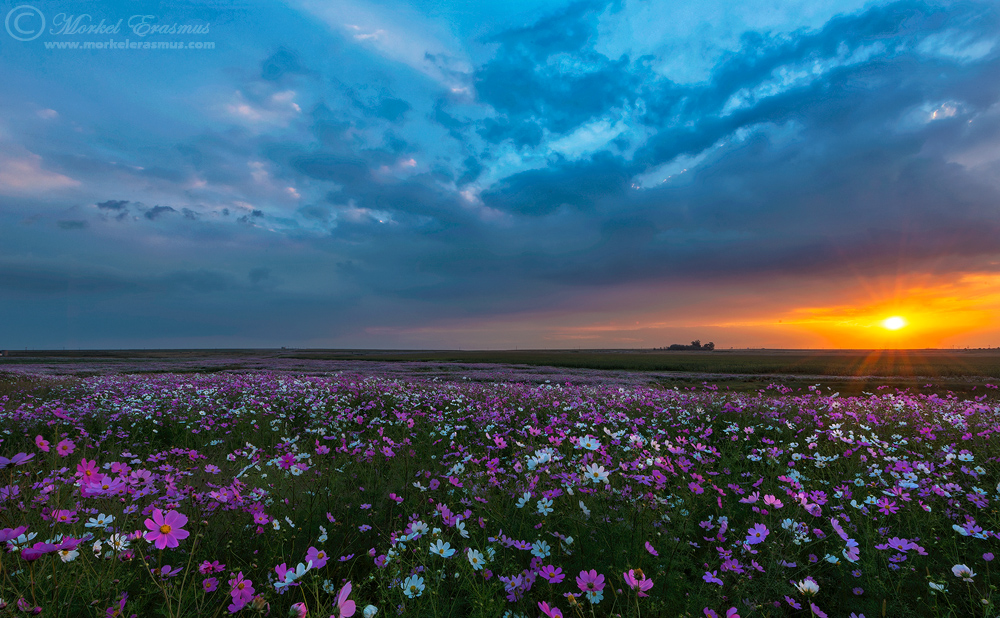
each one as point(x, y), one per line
point(432, 187)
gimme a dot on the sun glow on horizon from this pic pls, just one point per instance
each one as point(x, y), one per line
point(894, 323)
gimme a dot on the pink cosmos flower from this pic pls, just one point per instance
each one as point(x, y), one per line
point(87, 471)
point(650, 549)
point(640, 584)
point(64, 516)
point(8, 534)
point(210, 584)
point(165, 530)
point(550, 611)
point(345, 607)
point(241, 589)
point(42, 444)
point(552, 574)
point(17, 460)
point(710, 577)
point(770, 500)
point(299, 610)
point(65, 448)
point(590, 581)
point(757, 534)
point(318, 557)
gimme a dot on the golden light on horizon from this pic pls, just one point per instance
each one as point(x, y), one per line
point(894, 323)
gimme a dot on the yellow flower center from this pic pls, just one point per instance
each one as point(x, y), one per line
point(165, 529)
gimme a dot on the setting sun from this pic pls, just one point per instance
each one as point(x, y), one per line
point(894, 323)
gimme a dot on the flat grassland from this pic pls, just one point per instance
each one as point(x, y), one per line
point(851, 372)
point(931, 363)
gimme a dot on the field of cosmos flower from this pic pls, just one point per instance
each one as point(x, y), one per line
point(339, 495)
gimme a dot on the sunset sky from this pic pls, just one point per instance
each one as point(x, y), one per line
point(454, 174)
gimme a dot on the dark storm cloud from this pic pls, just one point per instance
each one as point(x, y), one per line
point(154, 213)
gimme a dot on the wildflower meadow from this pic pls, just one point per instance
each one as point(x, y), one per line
point(341, 495)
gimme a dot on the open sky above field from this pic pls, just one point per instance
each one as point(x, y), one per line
point(519, 174)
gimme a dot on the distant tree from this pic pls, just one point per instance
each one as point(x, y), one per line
point(696, 344)
point(709, 346)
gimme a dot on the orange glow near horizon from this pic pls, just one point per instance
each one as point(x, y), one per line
point(935, 314)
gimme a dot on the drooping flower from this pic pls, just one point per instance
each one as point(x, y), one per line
point(17, 460)
point(808, 586)
point(550, 611)
point(345, 606)
point(960, 570)
point(166, 530)
point(640, 584)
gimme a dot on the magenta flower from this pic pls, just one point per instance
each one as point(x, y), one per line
point(710, 577)
point(241, 589)
point(757, 534)
point(209, 584)
point(299, 610)
point(345, 607)
point(550, 611)
point(17, 460)
point(640, 584)
point(42, 444)
point(64, 516)
point(87, 470)
point(650, 549)
point(165, 530)
point(8, 534)
point(552, 574)
point(65, 448)
point(590, 581)
point(317, 556)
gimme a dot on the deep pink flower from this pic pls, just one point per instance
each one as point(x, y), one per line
point(345, 606)
point(65, 448)
point(165, 530)
point(42, 444)
point(590, 581)
point(640, 584)
point(757, 534)
point(552, 574)
point(550, 611)
point(8, 534)
point(210, 584)
point(318, 557)
point(64, 516)
point(17, 460)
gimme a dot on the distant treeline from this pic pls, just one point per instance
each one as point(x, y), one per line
point(695, 345)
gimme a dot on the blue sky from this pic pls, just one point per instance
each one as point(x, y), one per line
point(532, 174)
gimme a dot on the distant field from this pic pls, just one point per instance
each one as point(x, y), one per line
point(856, 363)
point(833, 363)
